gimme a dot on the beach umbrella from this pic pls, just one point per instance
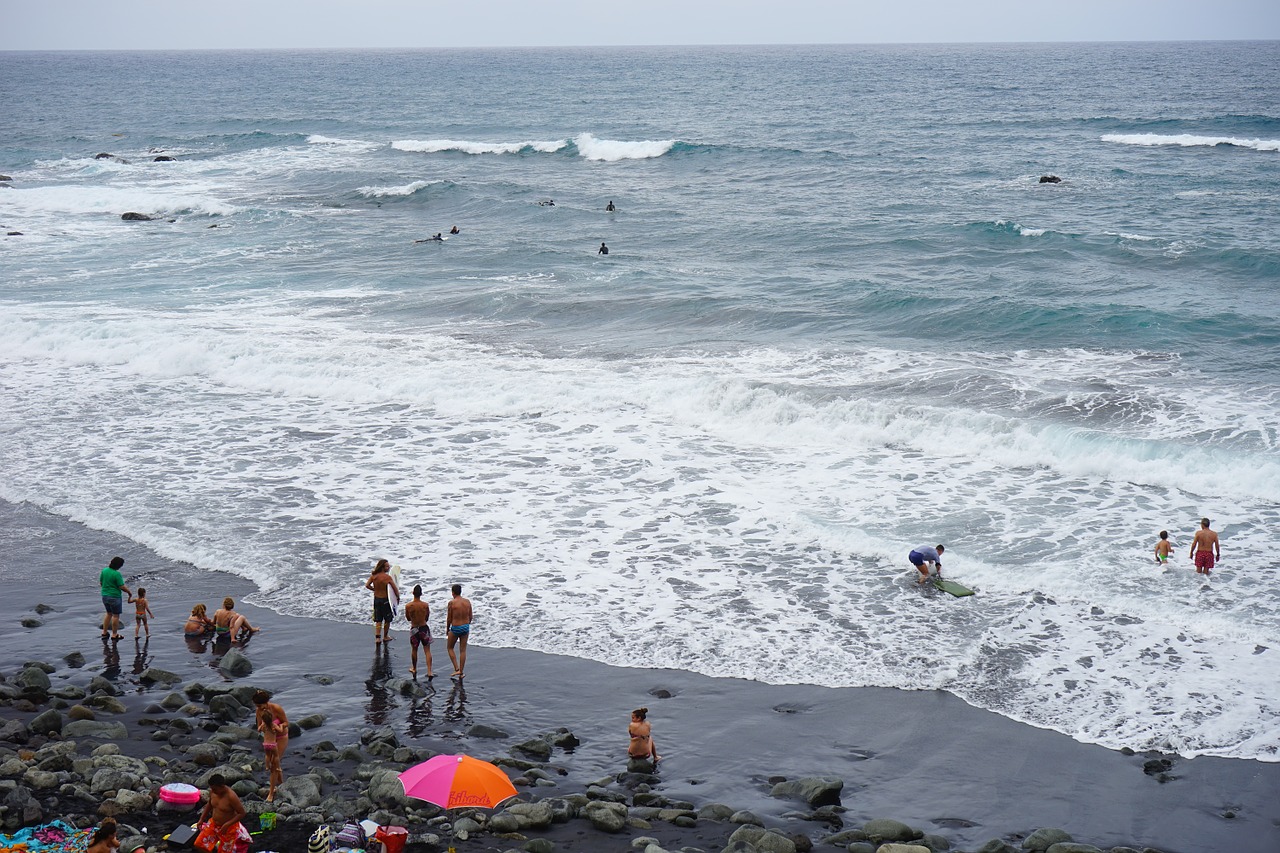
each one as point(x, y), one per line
point(458, 781)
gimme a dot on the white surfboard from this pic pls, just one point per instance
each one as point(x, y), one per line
point(391, 593)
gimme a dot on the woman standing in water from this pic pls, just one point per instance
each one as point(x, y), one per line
point(642, 747)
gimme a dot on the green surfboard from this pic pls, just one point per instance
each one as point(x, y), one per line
point(952, 587)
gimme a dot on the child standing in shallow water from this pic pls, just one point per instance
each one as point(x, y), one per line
point(142, 612)
point(1163, 548)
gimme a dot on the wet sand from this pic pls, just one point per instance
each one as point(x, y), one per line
point(924, 758)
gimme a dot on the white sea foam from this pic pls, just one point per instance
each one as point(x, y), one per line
point(402, 190)
point(347, 144)
point(743, 514)
point(1031, 232)
point(1188, 140)
point(611, 150)
point(432, 146)
point(99, 199)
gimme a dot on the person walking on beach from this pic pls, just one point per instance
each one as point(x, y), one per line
point(380, 581)
point(925, 559)
point(270, 716)
point(142, 610)
point(1163, 548)
point(457, 623)
point(1205, 549)
point(113, 590)
point(641, 747)
point(220, 826)
point(417, 612)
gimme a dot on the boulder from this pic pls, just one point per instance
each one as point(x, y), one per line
point(936, 843)
point(386, 791)
point(814, 790)
point(1050, 179)
point(164, 158)
point(537, 815)
point(134, 801)
point(15, 731)
point(111, 779)
point(5, 178)
point(233, 663)
point(300, 791)
point(895, 847)
point(80, 712)
point(604, 816)
point(1043, 839)
point(74, 659)
point(747, 817)
point(40, 780)
point(131, 216)
point(481, 730)
point(152, 675)
point(226, 708)
point(1072, 847)
point(33, 678)
point(997, 845)
point(880, 831)
point(501, 823)
point(536, 747)
point(762, 840)
point(20, 804)
point(311, 721)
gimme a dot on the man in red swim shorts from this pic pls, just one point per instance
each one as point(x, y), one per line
point(1204, 549)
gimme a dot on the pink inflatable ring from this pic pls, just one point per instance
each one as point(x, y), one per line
point(179, 793)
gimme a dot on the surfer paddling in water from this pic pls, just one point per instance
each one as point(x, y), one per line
point(379, 582)
point(925, 559)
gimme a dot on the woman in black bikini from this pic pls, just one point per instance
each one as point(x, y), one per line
point(642, 747)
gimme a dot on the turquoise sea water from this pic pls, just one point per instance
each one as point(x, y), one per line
point(840, 318)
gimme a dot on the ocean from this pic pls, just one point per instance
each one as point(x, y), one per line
point(840, 317)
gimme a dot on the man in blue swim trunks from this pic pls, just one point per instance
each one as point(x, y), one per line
point(925, 558)
point(457, 622)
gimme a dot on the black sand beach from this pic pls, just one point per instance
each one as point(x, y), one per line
point(926, 759)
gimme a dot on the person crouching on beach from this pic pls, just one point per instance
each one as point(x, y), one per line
point(417, 612)
point(104, 838)
point(642, 747)
point(925, 559)
point(228, 624)
point(379, 581)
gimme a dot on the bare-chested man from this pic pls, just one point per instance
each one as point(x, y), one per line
point(457, 622)
point(1204, 548)
point(225, 811)
point(379, 582)
point(417, 612)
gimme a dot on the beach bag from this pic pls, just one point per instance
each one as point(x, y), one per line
point(319, 841)
point(351, 835)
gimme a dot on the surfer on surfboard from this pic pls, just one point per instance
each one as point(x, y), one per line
point(925, 559)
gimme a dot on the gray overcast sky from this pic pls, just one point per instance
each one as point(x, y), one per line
point(179, 24)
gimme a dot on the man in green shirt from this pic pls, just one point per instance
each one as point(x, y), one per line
point(112, 583)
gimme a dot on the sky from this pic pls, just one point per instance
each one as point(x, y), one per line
point(219, 24)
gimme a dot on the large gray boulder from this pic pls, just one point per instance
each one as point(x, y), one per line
point(153, 675)
point(533, 815)
point(235, 664)
point(762, 840)
point(1043, 839)
point(997, 845)
point(23, 809)
point(111, 731)
point(895, 847)
point(40, 780)
point(301, 791)
point(889, 830)
point(1072, 847)
point(110, 779)
point(606, 817)
point(33, 678)
point(814, 790)
point(386, 791)
point(15, 731)
point(47, 722)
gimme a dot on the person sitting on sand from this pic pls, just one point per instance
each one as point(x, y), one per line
point(198, 624)
point(417, 612)
point(104, 838)
point(642, 747)
point(1163, 548)
point(229, 624)
point(925, 559)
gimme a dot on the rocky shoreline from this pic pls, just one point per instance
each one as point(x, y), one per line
point(80, 746)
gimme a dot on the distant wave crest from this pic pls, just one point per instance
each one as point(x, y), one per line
point(1188, 140)
point(610, 150)
point(403, 190)
point(432, 146)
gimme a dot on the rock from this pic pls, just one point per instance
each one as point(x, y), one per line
point(895, 847)
point(152, 675)
point(5, 178)
point(604, 816)
point(102, 155)
point(15, 731)
point(537, 815)
point(566, 740)
point(74, 659)
point(465, 827)
point(1072, 847)
point(110, 779)
point(762, 840)
point(889, 830)
point(40, 780)
point(300, 791)
point(20, 803)
point(935, 843)
point(386, 791)
point(481, 730)
point(110, 704)
point(164, 158)
point(33, 678)
point(744, 816)
point(80, 712)
point(715, 811)
point(311, 721)
point(504, 822)
point(131, 216)
point(226, 708)
point(13, 234)
point(134, 801)
point(840, 839)
point(540, 845)
point(235, 664)
point(1043, 839)
point(861, 847)
point(1050, 179)
point(100, 685)
point(816, 791)
point(997, 845)
point(28, 621)
point(536, 747)
point(47, 722)
point(12, 767)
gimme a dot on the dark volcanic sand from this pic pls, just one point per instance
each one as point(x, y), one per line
point(926, 759)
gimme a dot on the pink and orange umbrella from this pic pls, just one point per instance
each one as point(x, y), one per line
point(458, 781)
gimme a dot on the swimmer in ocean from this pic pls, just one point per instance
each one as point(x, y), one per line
point(603, 250)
